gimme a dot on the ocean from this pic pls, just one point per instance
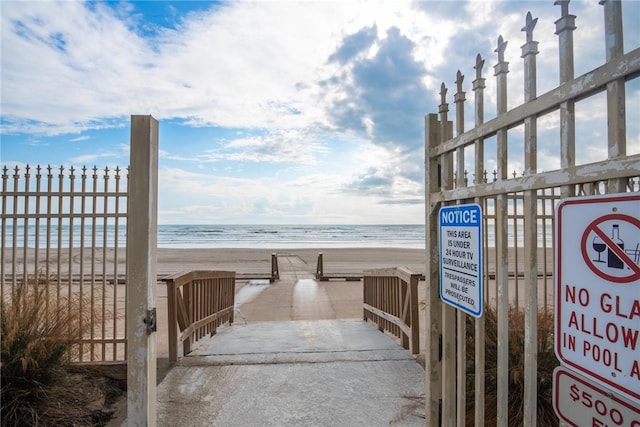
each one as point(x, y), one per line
point(248, 236)
point(227, 236)
point(290, 236)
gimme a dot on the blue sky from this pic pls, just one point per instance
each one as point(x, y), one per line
point(279, 111)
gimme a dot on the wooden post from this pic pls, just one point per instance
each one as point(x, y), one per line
point(448, 312)
point(275, 271)
point(415, 322)
point(141, 272)
point(320, 267)
point(433, 311)
point(172, 319)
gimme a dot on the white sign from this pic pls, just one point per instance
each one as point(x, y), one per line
point(578, 402)
point(597, 317)
point(461, 257)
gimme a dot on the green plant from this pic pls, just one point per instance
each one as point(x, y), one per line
point(546, 360)
point(36, 339)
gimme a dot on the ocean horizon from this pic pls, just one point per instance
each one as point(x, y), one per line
point(257, 236)
point(253, 236)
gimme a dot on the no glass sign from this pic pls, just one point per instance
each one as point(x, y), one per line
point(597, 312)
point(460, 229)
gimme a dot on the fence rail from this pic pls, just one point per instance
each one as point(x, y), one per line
point(198, 302)
point(390, 300)
point(519, 208)
point(61, 229)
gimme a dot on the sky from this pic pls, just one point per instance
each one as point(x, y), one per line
point(281, 112)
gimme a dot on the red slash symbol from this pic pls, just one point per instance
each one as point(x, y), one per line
point(612, 246)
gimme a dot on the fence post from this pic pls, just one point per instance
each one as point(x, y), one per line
point(478, 89)
point(448, 312)
point(529, 52)
point(502, 280)
point(319, 267)
point(172, 318)
point(141, 272)
point(433, 310)
point(275, 271)
point(461, 338)
point(564, 29)
point(415, 321)
point(616, 107)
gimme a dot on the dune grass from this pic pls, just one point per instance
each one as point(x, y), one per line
point(546, 360)
point(37, 337)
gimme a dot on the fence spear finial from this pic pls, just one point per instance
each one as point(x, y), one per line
point(530, 24)
point(502, 45)
point(459, 80)
point(478, 66)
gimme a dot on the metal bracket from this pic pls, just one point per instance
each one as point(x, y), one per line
point(150, 321)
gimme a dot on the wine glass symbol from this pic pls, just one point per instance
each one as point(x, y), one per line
point(598, 246)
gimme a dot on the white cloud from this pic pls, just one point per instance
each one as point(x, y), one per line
point(335, 139)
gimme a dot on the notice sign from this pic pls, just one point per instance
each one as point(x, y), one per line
point(597, 312)
point(461, 257)
point(578, 402)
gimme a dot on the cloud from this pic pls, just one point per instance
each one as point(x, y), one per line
point(328, 97)
point(80, 138)
point(386, 175)
point(275, 147)
point(355, 44)
point(381, 97)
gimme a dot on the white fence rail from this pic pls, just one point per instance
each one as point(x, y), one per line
point(63, 229)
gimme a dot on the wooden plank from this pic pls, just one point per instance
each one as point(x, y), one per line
point(389, 318)
point(204, 321)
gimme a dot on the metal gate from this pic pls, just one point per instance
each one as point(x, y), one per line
point(518, 215)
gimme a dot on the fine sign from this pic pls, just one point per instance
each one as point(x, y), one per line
point(461, 257)
point(578, 402)
point(597, 317)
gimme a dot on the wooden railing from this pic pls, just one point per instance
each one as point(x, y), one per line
point(391, 302)
point(198, 302)
point(275, 270)
point(324, 277)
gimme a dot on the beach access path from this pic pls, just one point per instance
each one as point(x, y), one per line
point(297, 354)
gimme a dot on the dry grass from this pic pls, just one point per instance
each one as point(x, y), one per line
point(547, 362)
point(37, 340)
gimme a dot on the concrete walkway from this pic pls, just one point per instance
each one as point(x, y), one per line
point(303, 368)
point(295, 373)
